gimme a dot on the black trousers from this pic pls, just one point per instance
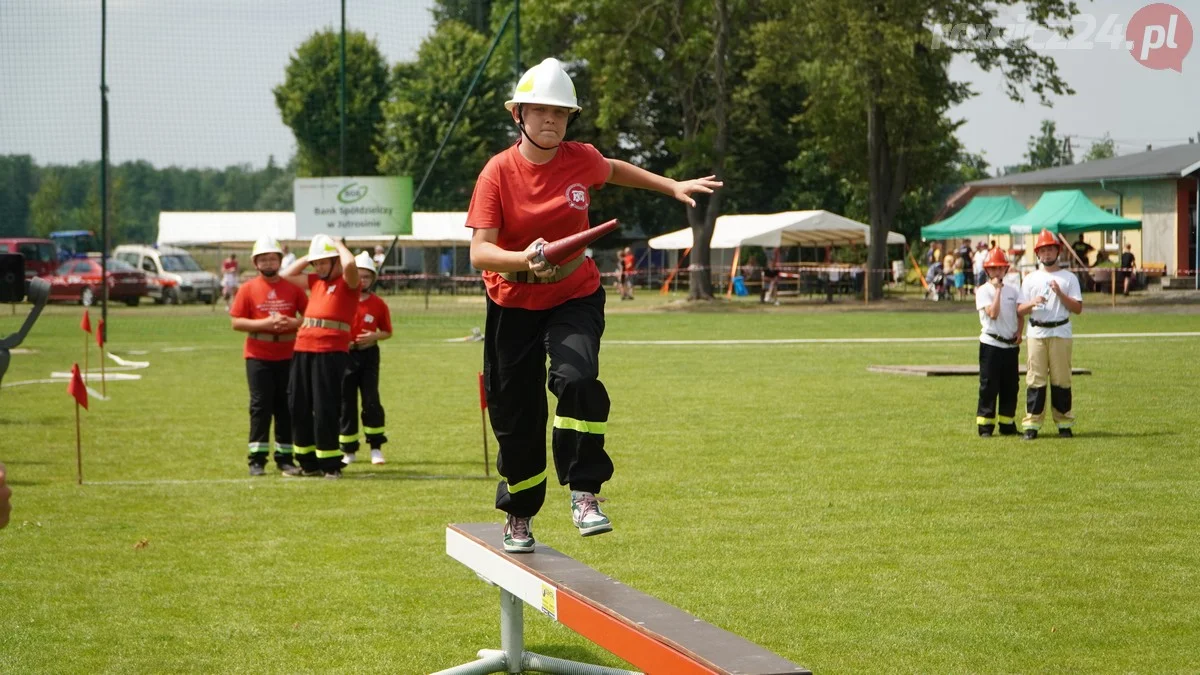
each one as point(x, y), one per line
point(315, 398)
point(998, 377)
point(362, 375)
point(268, 381)
point(515, 348)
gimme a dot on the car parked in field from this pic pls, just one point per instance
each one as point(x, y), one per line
point(41, 258)
point(173, 275)
point(80, 281)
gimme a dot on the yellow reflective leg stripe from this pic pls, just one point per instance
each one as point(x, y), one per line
point(305, 449)
point(259, 446)
point(582, 426)
point(374, 431)
point(1006, 420)
point(347, 439)
point(283, 449)
point(527, 483)
point(983, 421)
point(326, 454)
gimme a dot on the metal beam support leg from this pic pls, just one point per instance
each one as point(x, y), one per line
point(512, 657)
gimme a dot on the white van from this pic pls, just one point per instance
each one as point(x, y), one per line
point(172, 275)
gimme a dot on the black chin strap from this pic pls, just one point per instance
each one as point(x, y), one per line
point(521, 126)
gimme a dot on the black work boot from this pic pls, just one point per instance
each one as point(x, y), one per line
point(1066, 432)
point(1030, 434)
point(1008, 430)
point(985, 430)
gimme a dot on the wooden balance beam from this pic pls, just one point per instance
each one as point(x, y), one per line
point(643, 630)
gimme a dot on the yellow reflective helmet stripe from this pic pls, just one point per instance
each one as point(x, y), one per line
point(582, 426)
point(527, 483)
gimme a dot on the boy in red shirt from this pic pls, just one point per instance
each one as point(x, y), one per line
point(322, 347)
point(266, 308)
point(628, 269)
point(372, 324)
point(229, 277)
point(536, 191)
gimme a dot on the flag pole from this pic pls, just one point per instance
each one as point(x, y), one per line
point(483, 426)
point(78, 452)
point(103, 377)
point(86, 351)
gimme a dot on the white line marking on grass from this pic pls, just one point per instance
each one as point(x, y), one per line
point(92, 375)
point(129, 364)
point(809, 341)
point(281, 481)
point(177, 349)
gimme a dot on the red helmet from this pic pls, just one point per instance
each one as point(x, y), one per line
point(1045, 239)
point(996, 258)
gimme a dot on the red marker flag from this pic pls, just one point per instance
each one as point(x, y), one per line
point(86, 324)
point(482, 394)
point(76, 388)
point(100, 333)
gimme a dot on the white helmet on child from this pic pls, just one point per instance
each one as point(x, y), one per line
point(265, 244)
point(363, 262)
point(322, 247)
point(546, 83)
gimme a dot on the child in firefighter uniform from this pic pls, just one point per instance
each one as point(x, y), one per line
point(266, 308)
point(1049, 296)
point(538, 190)
point(999, 347)
point(322, 348)
point(372, 324)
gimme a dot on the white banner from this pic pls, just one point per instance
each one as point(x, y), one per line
point(353, 206)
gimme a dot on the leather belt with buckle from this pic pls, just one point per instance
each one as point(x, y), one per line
point(1050, 324)
point(563, 272)
point(273, 337)
point(325, 323)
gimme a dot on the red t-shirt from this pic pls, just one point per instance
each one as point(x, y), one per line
point(334, 301)
point(628, 265)
point(526, 201)
point(258, 299)
point(372, 315)
point(229, 267)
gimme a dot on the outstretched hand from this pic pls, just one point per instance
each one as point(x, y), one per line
point(684, 189)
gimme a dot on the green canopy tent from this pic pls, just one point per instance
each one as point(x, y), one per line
point(974, 218)
point(1063, 212)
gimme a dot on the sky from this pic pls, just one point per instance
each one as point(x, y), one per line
point(190, 82)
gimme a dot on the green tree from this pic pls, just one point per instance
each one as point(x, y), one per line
point(46, 208)
point(18, 180)
point(473, 13)
point(309, 103)
point(880, 90)
point(1104, 148)
point(424, 97)
point(1047, 149)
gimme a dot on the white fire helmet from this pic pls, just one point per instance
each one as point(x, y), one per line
point(322, 247)
point(546, 83)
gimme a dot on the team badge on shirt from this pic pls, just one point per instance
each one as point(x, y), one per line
point(577, 196)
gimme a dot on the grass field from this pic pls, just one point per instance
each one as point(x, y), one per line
point(850, 521)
